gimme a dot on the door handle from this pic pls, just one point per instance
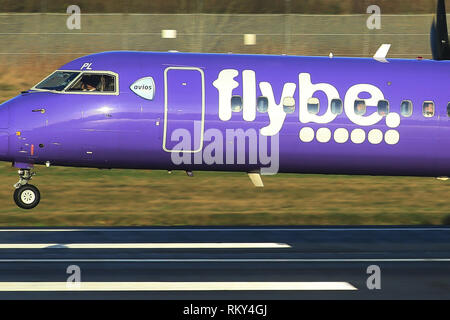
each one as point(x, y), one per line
point(39, 110)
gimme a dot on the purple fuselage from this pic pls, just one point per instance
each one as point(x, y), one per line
point(128, 131)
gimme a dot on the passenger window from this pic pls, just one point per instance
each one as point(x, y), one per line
point(406, 108)
point(448, 109)
point(236, 103)
point(313, 105)
point(94, 82)
point(383, 107)
point(428, 109)
point(336, 106)
point(289, 104)
point(262, 104)
point(360, 107)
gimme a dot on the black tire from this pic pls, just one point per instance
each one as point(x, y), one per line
point(27, 196)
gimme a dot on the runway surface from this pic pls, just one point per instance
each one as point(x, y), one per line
point(257, 263)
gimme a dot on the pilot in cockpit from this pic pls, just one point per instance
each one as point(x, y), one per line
point(89, 84)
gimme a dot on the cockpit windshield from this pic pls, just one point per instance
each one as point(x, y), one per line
point(57, 81)
point(97, 82)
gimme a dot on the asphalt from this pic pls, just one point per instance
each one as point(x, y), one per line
point(414, 262)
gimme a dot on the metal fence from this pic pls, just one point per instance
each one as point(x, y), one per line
point(289, 34)
point(34, 44)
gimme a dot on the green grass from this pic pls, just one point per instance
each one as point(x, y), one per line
point(92, 197)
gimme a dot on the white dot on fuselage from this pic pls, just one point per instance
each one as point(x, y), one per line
point(358, 136)
point(341, 135)
point(375, 136)
point(306, 134)
point(323, 135)
point(392, 137)
point(393, 120)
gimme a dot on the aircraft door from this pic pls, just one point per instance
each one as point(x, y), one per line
point(184, 109)
point(27, 142)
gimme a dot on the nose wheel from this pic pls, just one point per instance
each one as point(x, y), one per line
point(26, 196)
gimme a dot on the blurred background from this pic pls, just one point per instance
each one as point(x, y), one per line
point(34, 41)
point(34, 38)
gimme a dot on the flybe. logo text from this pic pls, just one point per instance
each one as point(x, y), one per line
point(228, 79)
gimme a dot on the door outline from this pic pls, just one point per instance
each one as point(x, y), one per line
point(202, 127)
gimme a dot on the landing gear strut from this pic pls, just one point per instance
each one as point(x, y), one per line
point(26, 196)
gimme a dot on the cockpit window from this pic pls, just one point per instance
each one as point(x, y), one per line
point(94, 82)
point(57, 80)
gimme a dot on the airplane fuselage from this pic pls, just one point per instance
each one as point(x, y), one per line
point(238, 113)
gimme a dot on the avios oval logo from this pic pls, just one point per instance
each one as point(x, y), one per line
point(144, 87)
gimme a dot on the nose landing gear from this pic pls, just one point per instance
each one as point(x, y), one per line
point(26, 196)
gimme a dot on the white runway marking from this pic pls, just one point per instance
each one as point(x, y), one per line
point(217, 245)
point(225, 260)
point(225, 230)
point(173, 286)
